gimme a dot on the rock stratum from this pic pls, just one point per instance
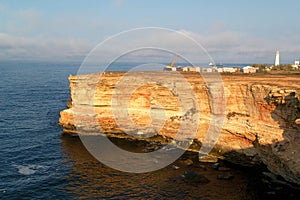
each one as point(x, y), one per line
point(261, 113)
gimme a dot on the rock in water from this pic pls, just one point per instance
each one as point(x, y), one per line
point(227, 176)
point(175, 167)
point(209, 159)
point(216, 166)
point(223, 169)
point(194, 178)
point(187, 162)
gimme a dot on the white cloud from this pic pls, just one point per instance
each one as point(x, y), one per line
point(12, 47)
point(229, 46)
point(223, 46)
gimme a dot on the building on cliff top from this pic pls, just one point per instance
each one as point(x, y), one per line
point(296, 64)
point(249, 69)
point(277, 58)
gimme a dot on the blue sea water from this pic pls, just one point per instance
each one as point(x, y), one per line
point(32, 95)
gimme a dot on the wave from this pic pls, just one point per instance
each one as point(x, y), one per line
point(29, 169)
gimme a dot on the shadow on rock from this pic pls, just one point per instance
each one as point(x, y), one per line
point(275, 167)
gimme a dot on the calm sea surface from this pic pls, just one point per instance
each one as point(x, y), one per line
point(37, 162)
point(32, 156)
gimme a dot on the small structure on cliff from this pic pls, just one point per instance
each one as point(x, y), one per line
point(249, 69)
point(277, 58)
point(296, 64)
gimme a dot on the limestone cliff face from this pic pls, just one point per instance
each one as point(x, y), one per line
point(261, 112)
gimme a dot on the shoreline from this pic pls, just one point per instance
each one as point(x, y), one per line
point(223, 178)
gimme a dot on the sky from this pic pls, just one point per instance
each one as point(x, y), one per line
point(231, 31)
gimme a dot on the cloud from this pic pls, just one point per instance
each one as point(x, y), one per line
point(12, 47)
point(230, 46)
point(223, 46)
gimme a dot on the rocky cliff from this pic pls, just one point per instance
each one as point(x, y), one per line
point(262, 114)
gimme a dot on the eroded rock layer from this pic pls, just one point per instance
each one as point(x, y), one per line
point(262, 113)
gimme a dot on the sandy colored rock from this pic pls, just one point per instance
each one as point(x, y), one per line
point(262, 113)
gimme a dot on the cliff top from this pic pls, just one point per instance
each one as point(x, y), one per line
point(278, 78)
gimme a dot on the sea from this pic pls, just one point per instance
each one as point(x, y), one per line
point(39, 162)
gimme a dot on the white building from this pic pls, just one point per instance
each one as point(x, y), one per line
point(220, 70)
point(174, 68)
point(229, 69)
point(277, 58)
point(296, 64)
point(192, 69)
point(209, 70)
point(185, 69)
point(249, 69)
point(226, 69)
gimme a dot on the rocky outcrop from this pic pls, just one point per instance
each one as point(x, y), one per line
point(262, 114)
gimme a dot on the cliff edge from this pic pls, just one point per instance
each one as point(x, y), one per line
point(262, 114)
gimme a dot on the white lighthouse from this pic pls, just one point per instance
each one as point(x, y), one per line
point(277, 58)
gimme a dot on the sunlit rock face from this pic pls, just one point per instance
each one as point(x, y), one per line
point(262, 114)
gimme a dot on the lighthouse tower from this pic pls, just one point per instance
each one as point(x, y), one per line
point(277, 58)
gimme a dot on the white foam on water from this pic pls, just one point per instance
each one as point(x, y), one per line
point(28, 169)
point(3, 190)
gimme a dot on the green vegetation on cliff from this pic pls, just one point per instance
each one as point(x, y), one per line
point(282, 67)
